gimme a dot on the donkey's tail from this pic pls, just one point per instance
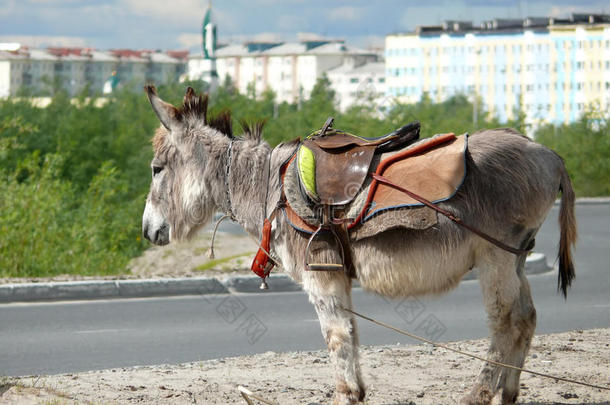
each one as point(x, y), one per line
point(567, 226)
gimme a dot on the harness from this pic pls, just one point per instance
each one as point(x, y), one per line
point(332, 167)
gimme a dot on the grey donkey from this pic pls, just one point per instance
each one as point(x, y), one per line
point(200, 168)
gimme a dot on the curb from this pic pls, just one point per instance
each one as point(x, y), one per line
point(81, 290)
point(88, 290)
point(589, 201)
point(250, 284)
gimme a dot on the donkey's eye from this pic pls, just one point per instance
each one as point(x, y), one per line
point(156, 170)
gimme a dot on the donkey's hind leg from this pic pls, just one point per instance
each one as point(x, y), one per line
point(511, 321)
point(330, 292)
point(524, 322)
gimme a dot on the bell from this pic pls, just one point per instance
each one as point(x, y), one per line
point(264, 285)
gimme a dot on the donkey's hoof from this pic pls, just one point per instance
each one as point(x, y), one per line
point(346, 395)
point(509, 398)
point(478, 396)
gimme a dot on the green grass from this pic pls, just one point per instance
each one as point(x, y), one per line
point(215, 262)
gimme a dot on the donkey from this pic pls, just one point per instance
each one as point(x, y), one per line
point(200, 168)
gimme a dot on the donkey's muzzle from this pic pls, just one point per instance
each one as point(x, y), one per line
point(158, 236)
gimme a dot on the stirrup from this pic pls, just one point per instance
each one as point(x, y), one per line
point(325, 266)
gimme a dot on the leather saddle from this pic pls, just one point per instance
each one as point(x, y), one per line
point(332, 168)
point(332, 165)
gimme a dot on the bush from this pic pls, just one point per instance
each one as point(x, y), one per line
point(585, 147)
point(72, 185)
point(49, 227)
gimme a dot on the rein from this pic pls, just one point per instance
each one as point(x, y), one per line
point(227, 175)
point(229, 214)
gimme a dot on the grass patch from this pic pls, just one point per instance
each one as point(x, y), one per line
point(215, 262)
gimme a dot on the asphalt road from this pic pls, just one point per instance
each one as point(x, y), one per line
point(60, 337)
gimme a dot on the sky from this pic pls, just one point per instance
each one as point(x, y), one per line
point(176, 24)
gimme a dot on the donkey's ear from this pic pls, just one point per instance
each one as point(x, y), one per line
point(167, 113)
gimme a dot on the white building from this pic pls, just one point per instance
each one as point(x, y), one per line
point(363, 84)
point(550, 69)
point(74, 69)
point(290, 69)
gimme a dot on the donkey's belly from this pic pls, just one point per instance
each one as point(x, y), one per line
point(395, 266)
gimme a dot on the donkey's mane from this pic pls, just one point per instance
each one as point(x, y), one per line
point(195, 107)
point(253, 130)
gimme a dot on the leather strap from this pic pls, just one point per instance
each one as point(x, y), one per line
point(453, 218)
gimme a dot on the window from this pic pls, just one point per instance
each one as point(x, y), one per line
point(353, 80)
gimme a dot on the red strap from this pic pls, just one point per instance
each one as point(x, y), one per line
point(261, 264)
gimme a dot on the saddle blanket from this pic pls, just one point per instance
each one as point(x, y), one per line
point(433, 168)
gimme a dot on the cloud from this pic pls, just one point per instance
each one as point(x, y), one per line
point(292, 23)
point(8, 7)
point(564, 11)
point(345, 13)
point(310, 36)
point(54, 2)
point(227, 21)
point(189, 40)
point(368, 41)
point(268, 37)
point(38, 41)
point(186, 12)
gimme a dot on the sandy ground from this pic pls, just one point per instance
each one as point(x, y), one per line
point(408, 375)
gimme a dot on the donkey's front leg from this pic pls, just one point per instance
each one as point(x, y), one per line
point(330, 292)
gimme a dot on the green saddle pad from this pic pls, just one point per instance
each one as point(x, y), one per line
point(306, 167)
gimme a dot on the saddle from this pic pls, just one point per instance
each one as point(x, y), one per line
point(332, 168)
point(338, 188)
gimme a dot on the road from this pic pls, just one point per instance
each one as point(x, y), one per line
point(60, 337)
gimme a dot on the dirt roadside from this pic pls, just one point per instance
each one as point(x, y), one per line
point(408, 375)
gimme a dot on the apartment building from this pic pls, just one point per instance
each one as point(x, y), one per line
point(549, 68)
point(362, 84)
point(290, 69)
point(74, 69)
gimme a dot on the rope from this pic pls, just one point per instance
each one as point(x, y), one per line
point(474, 356)
point(211, 254)
point(442, 346)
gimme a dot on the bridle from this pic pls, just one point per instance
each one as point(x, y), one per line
point(229, 209)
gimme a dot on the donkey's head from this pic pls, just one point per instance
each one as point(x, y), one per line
point(187, 173)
